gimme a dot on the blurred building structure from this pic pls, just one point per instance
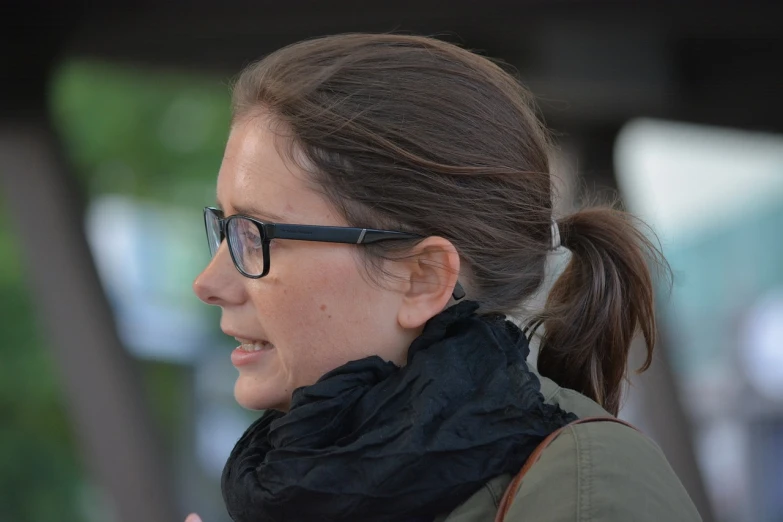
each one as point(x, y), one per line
point(593, 66)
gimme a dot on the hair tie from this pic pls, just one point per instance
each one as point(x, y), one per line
point(555, 235)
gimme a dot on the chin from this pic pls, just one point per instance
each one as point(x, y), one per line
point(253, 395)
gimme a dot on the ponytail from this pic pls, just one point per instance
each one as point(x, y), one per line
point(604, 295)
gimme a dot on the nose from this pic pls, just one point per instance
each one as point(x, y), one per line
point(219, 283)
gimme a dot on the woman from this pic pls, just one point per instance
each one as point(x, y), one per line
point(385, 202)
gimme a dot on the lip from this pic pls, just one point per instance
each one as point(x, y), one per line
point(244, 338)
point(240, 357)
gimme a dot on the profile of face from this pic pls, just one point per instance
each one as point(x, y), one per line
point(317, 309)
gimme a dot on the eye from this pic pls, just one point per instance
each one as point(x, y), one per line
point(245, 234)
point(251, 238)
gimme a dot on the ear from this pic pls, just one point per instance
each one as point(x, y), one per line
point(431, 273)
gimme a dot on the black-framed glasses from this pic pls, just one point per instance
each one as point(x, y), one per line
point(248, 239)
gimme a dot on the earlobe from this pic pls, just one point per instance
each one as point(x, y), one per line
point(432, 273)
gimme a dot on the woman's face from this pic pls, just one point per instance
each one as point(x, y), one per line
point(315, 310)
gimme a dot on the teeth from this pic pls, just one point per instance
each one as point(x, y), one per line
point(255, 346)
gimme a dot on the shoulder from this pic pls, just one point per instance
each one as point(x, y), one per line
point(569, 400)
point(602, 471)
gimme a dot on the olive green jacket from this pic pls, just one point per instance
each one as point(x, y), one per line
point(593, 472)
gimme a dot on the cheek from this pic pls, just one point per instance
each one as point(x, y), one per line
point(329, 288)
point(320, 309)
point(334, 299)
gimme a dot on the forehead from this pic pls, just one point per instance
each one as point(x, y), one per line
point(254, 174)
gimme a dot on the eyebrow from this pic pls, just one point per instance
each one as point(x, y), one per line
point(249, 210)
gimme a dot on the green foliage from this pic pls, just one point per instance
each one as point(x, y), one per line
point(151, 135)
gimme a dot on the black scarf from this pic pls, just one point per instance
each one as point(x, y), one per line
point(374, 442)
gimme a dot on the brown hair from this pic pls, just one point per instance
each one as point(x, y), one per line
point(423, 136)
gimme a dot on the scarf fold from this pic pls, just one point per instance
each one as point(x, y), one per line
point(372, 441)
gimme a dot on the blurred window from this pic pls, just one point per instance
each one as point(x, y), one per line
point(715, 198)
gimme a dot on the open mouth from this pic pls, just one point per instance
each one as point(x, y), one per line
point(247, 345)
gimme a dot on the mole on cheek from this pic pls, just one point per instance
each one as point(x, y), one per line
point(323, 307)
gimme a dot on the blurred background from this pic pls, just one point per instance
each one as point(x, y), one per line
point(115, 382)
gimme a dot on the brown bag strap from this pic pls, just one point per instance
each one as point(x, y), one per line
point(511, 491)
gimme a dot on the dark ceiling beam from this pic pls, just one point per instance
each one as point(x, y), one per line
point(208, 34)
point(589, 63)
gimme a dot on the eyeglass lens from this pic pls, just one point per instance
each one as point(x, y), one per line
point(214, 238)
point(247, 245)
point(244, 240)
